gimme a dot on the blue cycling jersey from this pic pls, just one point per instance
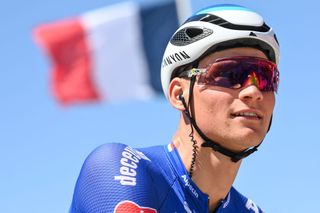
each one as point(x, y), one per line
point(117, 178)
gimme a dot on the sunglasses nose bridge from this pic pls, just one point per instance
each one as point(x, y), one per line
point(252, 79)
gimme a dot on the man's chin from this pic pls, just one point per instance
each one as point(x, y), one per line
point(249, 138)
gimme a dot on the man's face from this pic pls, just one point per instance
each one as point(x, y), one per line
point(222, 113)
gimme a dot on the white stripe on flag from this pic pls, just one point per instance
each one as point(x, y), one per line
point(118, 62)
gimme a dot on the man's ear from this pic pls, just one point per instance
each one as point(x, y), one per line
point(176, 93)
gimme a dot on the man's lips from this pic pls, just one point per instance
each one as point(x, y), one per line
point(250, 114)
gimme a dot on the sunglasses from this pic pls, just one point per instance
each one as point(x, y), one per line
point(238, 72)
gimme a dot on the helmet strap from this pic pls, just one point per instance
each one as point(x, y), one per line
point(191, 135)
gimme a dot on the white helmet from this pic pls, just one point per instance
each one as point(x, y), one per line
point(212, 29)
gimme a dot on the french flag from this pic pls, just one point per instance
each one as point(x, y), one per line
point(113, 53)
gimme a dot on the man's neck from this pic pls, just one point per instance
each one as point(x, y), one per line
point(213, 172)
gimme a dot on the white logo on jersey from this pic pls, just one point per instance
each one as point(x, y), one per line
point(186, 207)
point(251, 205)
point(129, 164)
point(187, 184)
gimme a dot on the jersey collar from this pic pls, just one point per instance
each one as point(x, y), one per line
point(199, 198)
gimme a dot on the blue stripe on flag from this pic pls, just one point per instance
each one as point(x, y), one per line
point(159, 22)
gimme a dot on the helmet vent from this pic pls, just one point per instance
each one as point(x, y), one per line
point(275, 38)
point(193, 32)
point(189, 35)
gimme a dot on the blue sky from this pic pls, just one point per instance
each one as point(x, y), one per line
point(43, 145)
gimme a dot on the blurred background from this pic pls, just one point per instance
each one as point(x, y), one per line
point(43, 144)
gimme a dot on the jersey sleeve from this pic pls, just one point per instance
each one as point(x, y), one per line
point(114, 178)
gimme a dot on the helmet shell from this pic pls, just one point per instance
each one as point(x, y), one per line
point(212, 29)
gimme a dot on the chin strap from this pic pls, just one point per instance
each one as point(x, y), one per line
point(234, 156)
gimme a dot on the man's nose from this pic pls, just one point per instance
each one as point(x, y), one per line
point(251, 88)
point(251, 93)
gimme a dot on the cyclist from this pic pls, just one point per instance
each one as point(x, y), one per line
point(220, 71)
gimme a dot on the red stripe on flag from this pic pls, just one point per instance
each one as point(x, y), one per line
point(65, 42)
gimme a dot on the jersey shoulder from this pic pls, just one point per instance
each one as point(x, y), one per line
point(115, 176)
point(239, 202)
